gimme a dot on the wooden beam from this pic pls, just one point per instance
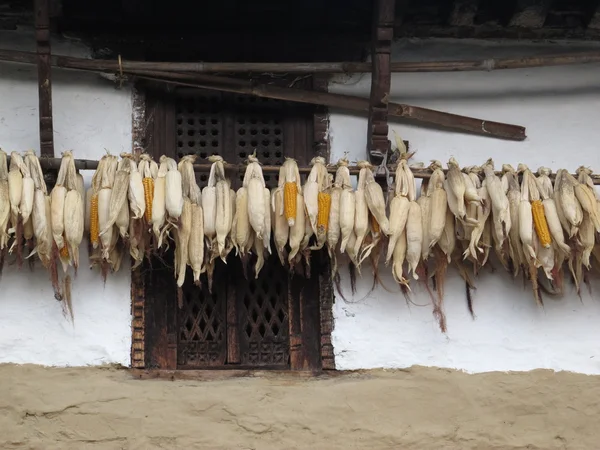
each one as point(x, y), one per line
point(530, 13)
point(42, 35)
point(378, 143)
point(463, 13)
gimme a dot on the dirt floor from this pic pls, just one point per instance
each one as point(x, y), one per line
point(419, 408)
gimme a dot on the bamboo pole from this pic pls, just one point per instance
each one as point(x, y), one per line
point(322, 67)
point(346, 102)
point(419, 172)
point(359, 104)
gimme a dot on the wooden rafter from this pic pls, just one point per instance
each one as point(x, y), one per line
point(42, 35)
point(378, 143)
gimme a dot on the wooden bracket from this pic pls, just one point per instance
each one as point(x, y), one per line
point(42, 35)
point(378, 143)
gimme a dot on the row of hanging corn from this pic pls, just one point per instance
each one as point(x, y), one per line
point(534, 227)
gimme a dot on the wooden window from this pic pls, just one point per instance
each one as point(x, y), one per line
point(277, 320)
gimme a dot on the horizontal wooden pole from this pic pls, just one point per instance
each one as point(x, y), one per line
point(346, 102)
point(307, 67)
point(419, 172)
point(359, 104)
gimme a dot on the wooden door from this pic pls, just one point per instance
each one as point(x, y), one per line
point(273, 321)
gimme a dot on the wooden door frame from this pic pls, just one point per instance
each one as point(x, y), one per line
point(147, 134)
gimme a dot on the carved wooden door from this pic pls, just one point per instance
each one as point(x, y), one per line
point(244, 322)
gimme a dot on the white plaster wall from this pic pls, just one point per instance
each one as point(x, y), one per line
point(560, 106)
point(89, 116)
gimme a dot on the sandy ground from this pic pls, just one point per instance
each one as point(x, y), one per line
point(419, 408)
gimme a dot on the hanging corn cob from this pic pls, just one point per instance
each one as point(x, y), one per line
point(586, 194)
point(439, 203)
point(4, 203)
point(567, 204)
point(315, 183)
point(159, 201)
point(500, 209)
point(173, 190)
point(361, 211)
point(41, 228)
point(341, 182)
point(281, 228)
point(118, 194)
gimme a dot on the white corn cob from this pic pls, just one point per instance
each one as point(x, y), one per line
point(73, 224)
point(585, 193)
point(526, 217)
point(281, 229)
point(499, 200)
point(106, 239)
point(223, 215)
point(438, 206)
point(514, 199)
point(15, 183)
point(342, 177)
point(374, 198)
point(57, 199)
point(564, 193)
point(196, 242)
point(398, 259)
point(122, 221)
point(347, 217)
point(137, 199)
point(483, 212)
point(159, 200)
point(183, 238)
point(118, 193)
point(209, 207)
point(242, 227)
point(471, 195)
point(173, 190)
point(447, 241)
point(586, 237)
point(414, 238)
point(455, 188)
point(298, 229)
point(361, 209)
point(399, 207)
point(4, 201)
point(26, 205)
point(424, 203)
point(259, 250)
point(267, 225)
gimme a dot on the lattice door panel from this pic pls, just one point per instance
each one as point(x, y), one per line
point(263, 317)
point(259, 126)
point(202, 325)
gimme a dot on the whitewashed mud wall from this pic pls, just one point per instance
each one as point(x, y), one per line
point(89, 116)
point(560, 107)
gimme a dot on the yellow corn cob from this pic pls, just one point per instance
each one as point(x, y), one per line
point(148, 183)
point(64, 252)
point(94, 221)
point(539, 221)
point(290, 189)
point(324, 200)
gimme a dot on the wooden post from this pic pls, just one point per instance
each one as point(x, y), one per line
point(378, 143)
point(42, 35)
